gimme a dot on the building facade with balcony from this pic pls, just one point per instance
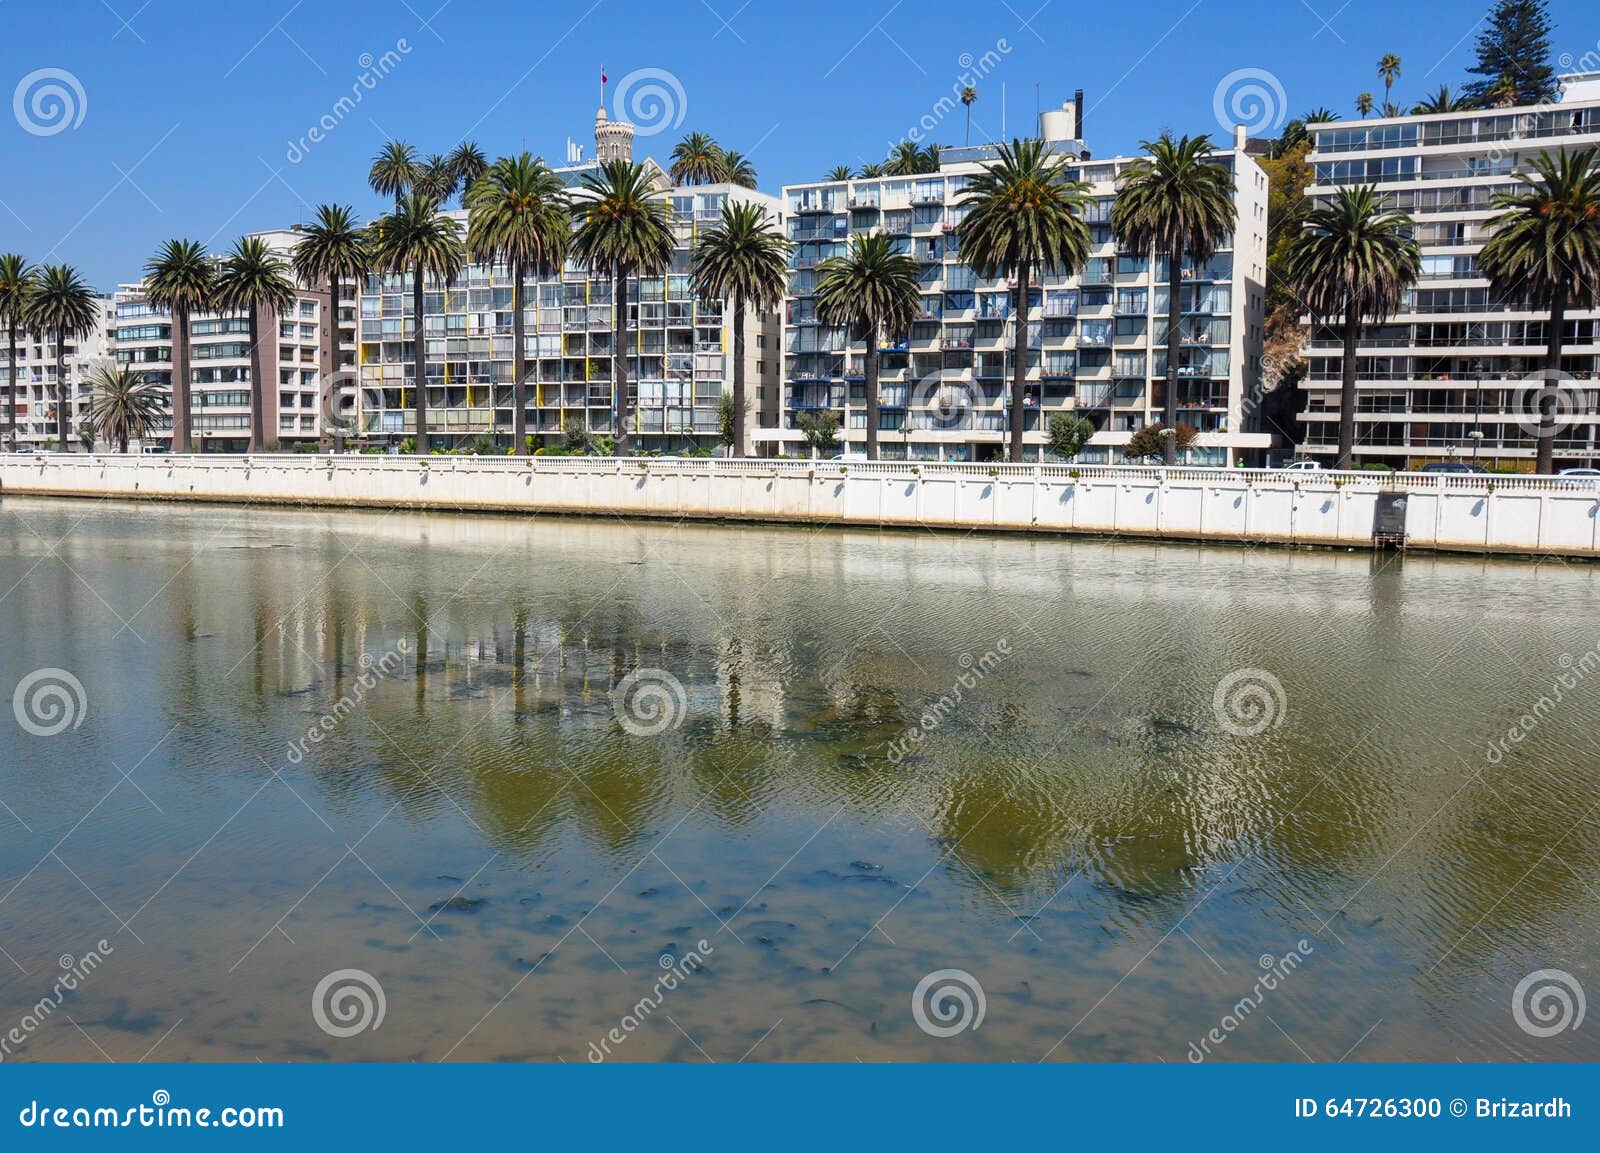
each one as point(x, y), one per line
point(1096, 339)
point(295, 399)
point(680, 359)
point(1457, 373)
point(33, 394)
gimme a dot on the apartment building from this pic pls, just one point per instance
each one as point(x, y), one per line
point(1096, 339)
point(1455, 360)
point(296, 409)
point(680, 355)
point(33, 394)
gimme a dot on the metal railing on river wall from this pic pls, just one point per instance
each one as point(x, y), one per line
point(1475, 513)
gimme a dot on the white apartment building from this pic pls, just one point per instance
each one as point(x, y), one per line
point(680, 359)
point(34, 393)
point(219, 362)
point(1097, 339)
point(1455, 360)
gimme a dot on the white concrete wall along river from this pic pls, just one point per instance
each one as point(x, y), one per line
point(1480, 514)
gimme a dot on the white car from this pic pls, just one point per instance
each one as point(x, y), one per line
point(1302, 466)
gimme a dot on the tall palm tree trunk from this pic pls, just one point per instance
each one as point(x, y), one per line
point(739, 446)
point(1169, 417)
point(330, 402)
point(11, 418)
point(180, 381)
point(419, 362)
point(619, 359)
point(1550, 401)
point(1019, 359)
point(258, 392)
point(1347, 386)
point(519, 365)
point(872, 396)
point(63, 398)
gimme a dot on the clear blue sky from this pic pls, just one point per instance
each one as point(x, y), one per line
point(193, 114)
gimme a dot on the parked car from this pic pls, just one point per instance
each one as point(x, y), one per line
point(1454, 467)
point(1592, 473)
point(1302, 466)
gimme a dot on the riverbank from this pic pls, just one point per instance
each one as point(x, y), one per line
point(1513, 516)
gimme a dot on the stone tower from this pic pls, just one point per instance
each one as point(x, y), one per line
point(613, 140)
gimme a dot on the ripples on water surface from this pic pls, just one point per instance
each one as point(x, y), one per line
point(1079, 833)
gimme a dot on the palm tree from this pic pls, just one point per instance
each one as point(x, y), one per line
point(624, 227)
point(1320, 115)
point(64, 307)
point(1441, 101)
point(838, 172)
point(467, 163)
point(253, 279)
point(737, 169)
point(18, 280)
point(332, 250)
point(1389, 70)
point(180, 280)
point(1025, 216)
point(125, 406)
point(904, 159)
point(870, 170)
point(518, 213)
point(394, 170)
point(969, 97)
point(696, 159)
point(1364, 104)
point(1355, 259)
point(873, 291)
point(417, 238)
point(742, 259)
point(1544, 248)
point(1174, 202)
point(437, 179)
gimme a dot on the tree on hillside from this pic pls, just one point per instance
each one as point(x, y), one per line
point(1514, 56)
